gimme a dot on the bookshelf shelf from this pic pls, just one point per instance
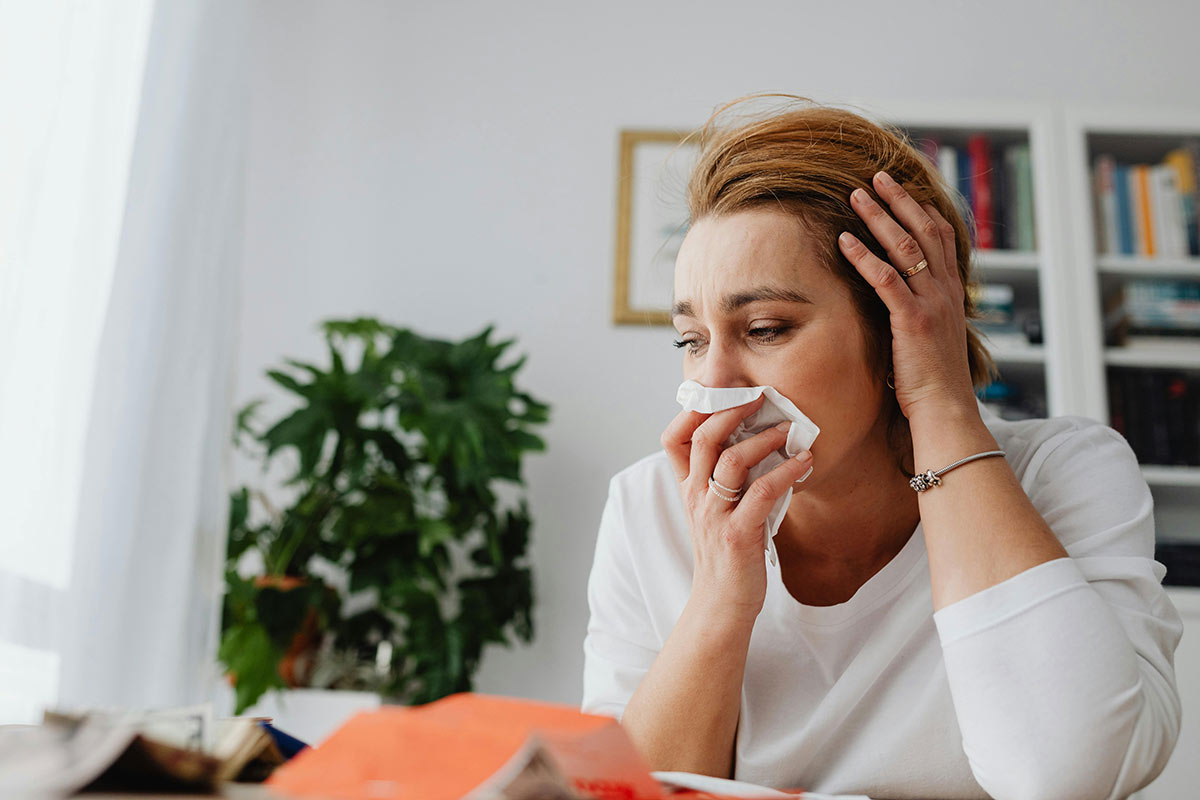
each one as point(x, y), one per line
point(1169, 354)
point(1010, 260)
point(1172, 476)
point(1006, 352)
point(1142, 267)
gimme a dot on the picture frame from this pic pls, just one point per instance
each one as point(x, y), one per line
point(652, 220)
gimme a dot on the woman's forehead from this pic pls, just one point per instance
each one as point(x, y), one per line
point(746, 251)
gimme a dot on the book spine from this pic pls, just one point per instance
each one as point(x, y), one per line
point(964, 189)
point(1173, 214)
point(1161, 232)
point(1181, 162)
point(1192, 147)
point(1024, 185)
point(1124, 194)
point(1135, 414)
point(1108, 236)
point(1143, 216)
point(1160, 439)
point(1178, 435)
point(979, 151)
point(1001, 221)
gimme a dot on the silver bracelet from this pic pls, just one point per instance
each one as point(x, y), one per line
point(927, 479)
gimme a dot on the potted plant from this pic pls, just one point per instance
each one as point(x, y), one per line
point(393, 550)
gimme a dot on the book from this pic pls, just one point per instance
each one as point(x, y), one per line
point(1158, 413)
point(1124, 198)
point(1143, 217)
point(979, 151)
point(1104, 188)
point(170, 750)
point(1022, 183)
point(1183, 163)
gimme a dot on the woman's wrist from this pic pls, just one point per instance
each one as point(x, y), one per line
point(948, 433)
point(720, 614)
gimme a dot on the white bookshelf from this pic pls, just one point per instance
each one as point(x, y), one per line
point(1135, 135)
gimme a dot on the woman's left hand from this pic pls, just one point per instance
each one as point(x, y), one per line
point(929, 333)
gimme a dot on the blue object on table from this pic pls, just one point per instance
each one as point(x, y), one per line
point(288, 746)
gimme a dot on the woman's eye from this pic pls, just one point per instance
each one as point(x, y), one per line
point(767, 334)
point(691, 344)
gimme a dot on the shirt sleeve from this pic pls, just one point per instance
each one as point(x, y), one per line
point(621, 643)
point(1062, 677)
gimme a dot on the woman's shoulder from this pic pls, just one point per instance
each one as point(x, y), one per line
point(1031, 445)
point(1085, 481)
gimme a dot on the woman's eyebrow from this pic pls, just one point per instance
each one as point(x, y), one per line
point(733, 302)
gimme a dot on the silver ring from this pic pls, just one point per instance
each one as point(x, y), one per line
point(914, 269)
point(712, 481)
point(715, 488)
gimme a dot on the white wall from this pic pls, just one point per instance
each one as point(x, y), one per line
point(443, 165)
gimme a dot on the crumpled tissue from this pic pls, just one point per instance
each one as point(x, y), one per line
point(775, 409)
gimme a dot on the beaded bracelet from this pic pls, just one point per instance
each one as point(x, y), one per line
point(928, 479)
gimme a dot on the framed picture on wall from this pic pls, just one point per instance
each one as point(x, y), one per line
point(652, 219)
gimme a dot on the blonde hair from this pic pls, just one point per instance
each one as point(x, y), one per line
point(807, 159)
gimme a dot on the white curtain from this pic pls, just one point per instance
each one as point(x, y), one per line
point(124, 132)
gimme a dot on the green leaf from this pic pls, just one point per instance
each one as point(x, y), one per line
point(247, 653)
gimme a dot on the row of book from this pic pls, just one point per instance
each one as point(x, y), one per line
point(1158, 413)
point(1148, 307)
point(1148, 209)
point(996, 185)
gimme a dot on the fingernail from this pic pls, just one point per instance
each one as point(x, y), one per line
point(884, 178)
point(847, 238)
point(860, 196)
point(783, 426)
point(805, 476)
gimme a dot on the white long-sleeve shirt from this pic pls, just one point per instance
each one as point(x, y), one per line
point(1058, 682)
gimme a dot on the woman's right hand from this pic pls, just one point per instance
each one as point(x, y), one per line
point(730, 576)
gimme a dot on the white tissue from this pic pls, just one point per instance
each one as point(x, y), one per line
point(775, 409)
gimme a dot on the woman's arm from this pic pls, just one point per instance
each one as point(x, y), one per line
point(980, 527)
point(684, 713)
point(683, 716)
point(1060, 668)
point(1062, 676)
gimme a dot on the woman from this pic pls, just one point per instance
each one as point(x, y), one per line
point(1002, 631)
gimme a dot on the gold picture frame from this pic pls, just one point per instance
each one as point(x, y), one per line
point(651, 221)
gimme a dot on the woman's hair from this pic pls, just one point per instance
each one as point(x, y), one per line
point(807, 160)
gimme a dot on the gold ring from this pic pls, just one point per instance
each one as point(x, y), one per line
point(908, 273)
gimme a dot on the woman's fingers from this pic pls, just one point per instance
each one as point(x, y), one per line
point(882, 276)
point(677, 441)
point(760, 496)
point(949, 249)
point(736, 462)
point(708, 441)
point(918, 238)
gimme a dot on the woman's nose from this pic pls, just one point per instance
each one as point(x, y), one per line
point(723, 367)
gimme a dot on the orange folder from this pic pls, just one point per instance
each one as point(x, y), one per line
point(444, 750)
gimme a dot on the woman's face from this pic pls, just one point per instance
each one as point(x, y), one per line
point(753, 306)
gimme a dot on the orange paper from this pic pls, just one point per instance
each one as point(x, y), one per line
point(443, 750)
